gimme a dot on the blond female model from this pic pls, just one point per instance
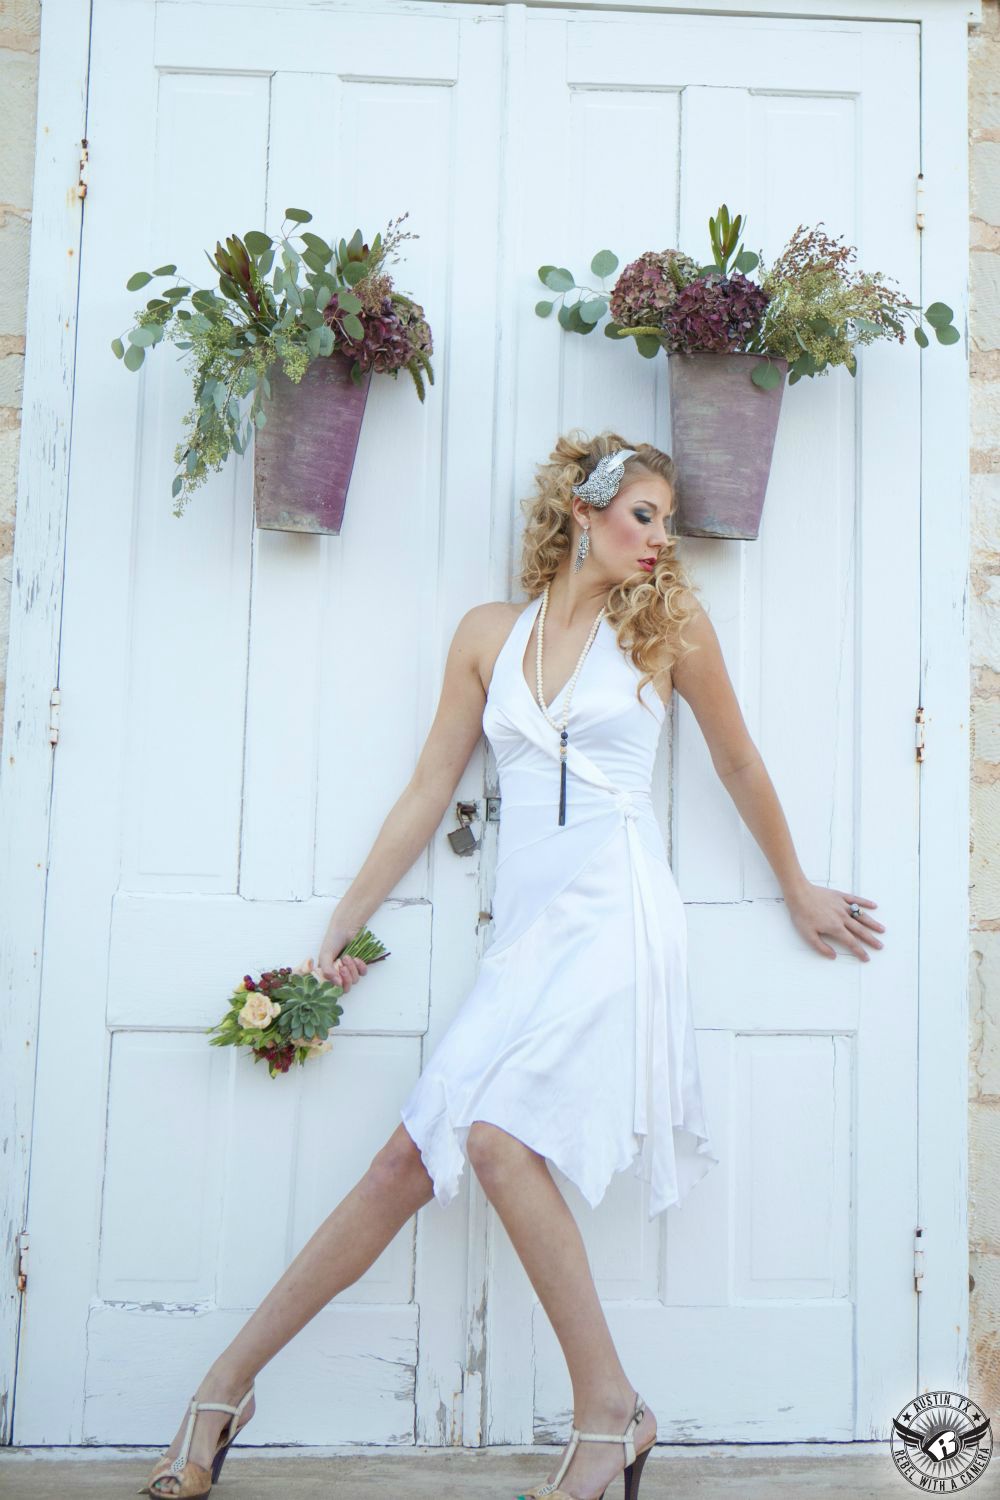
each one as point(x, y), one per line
point(576, 1045)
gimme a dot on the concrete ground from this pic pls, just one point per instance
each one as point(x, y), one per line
point(763, 1472)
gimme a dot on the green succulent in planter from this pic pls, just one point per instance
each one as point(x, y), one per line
point(807, 307)
point(275, 302)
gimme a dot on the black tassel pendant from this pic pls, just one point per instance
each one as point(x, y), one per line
point(564, 737)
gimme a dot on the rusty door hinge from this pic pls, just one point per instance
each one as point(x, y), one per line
point(81, 184)
point(919, 721)
point(55, 698)
point(22, 1261)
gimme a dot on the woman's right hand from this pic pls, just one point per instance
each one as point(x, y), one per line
point(346, 970)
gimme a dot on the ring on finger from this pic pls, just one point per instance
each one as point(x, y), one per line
point(855, 911)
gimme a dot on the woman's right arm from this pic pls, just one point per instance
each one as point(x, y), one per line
point(412, 821)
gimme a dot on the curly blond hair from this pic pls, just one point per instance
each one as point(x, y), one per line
point(648, 614)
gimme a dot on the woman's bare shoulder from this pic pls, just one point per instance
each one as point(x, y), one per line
point(489, 626)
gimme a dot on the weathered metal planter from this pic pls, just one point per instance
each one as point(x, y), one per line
point(304, 455)
point(722, 438)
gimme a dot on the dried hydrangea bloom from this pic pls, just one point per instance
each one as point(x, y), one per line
point(648, 287)
point(714, 313)
point(392, 334)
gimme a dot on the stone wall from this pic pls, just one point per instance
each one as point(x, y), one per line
point(984, 351)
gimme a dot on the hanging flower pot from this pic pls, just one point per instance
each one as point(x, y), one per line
point(731, 342)
point(304, 454)
point(283, 353)
point(722, 436)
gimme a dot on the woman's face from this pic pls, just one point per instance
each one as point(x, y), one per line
point(633, 527)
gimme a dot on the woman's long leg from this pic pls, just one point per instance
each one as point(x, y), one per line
point(548, 1242)
point(354, 1235)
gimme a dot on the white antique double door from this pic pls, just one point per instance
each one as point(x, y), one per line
point(240, 709)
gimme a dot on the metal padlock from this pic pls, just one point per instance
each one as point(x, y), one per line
point(463, 840)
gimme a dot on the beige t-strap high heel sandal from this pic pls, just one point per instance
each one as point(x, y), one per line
point(191, 1480)
point(634, 1461)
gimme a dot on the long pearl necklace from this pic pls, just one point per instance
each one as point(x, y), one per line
point(561, 727)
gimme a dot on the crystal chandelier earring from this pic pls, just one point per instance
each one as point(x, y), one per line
point(600, 488)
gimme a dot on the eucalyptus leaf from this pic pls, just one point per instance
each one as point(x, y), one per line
point(117, 348)
point(318, 246)
point(261, 418)
point(349, 302)
point(165, 271)
point(353, 326)
point(354, 273)
point(257, 242)
point(948, 335)
point(140, 279)
point(145, 334)
point(298, 216)
point(134, 356)
point(558, 279)
point(326, 339)
point(604, 262)
point(921, 337)
point(593, 309)
point(543, 309)
point(766, 376)
point(177, 486)
point(938, 314)
point(648, 345)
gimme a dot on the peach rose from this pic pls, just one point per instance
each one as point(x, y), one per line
point(258, 1010)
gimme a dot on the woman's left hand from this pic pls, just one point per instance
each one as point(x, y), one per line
point(818, 910)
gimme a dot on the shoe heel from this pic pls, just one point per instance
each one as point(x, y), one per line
point(634, 1473)
point(219, 1460)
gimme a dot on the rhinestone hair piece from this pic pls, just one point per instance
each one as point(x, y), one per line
point(601, 486)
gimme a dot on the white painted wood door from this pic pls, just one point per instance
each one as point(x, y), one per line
point(778, 1303)
point(190, 833)
point(240, 710)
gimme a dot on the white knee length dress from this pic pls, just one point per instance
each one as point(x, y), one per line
point(577, 1036)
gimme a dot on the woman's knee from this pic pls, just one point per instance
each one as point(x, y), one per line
point(399, 1165)
point(492, 1149)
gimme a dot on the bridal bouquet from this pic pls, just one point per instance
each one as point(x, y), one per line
point(285, 1015)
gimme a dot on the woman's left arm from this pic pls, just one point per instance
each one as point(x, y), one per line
point(703, 682)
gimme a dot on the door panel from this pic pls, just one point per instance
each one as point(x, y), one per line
point(777, 1303)
point(243, 708)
